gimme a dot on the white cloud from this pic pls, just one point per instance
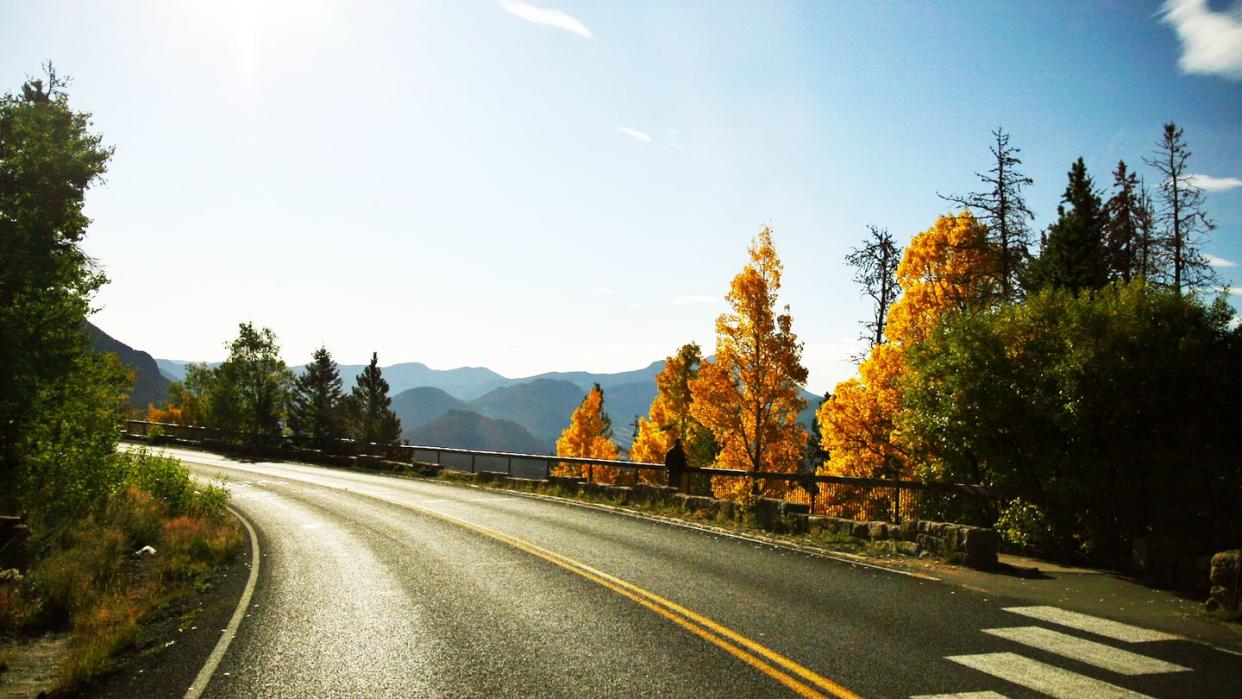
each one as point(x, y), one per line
point(604, 290)
point(634, 134)
point(1211, 41)
point(546, 17)
point(693, 299)
point(1213, 184)
point(1236, 290)
point(1220, 261)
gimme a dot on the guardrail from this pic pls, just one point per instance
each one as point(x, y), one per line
point(891, 500)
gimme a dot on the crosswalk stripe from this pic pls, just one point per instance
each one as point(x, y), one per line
point(1093, 624)
point(1122, 662)
point(1043, 678)
point(962, 695)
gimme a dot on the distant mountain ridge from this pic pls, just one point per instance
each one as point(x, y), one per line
point(150, 385)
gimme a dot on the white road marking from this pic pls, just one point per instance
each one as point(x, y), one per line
point(962, 695)
point(1122, 662)
point(1094, 624)
point(217, 654)
point(1043, 678)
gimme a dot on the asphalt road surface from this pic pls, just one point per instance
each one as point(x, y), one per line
point(376, 586)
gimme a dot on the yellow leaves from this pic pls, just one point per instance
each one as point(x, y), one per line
point(946, 267)
point(749, 397)
point(588, 437)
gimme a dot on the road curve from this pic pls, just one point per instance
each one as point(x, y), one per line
point(376, 586)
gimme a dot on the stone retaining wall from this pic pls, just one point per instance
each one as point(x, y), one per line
point(1224, 579)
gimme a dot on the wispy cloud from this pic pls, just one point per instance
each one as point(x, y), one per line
point(1213, 184)
point(1211, 41)
point(1220, 261)
point(634, 134)
point(546, 17)
point(693, 299)
point(1236, 290)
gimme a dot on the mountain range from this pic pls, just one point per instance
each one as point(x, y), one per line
point(435, 405)
point(150, 385)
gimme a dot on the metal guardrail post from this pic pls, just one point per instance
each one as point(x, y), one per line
point(472, 463)
point(510, 466)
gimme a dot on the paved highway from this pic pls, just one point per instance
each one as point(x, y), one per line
point(374, 586)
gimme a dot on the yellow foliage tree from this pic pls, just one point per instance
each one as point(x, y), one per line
point(589, 435)
point(182, 408)
point(749, 397)
point(945, 267)
point(669, 418)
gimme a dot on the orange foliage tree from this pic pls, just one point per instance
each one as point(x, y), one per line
point(182, 407)
point(749, 396)
point(946, 267)
point(589, 435)
point(669, 418)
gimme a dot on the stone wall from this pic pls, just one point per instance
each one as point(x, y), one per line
point(1224, 579)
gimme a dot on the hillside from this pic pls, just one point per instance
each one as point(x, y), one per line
point(586, 379)
point(150, 386)
point(464, 429)
point(542, 406)
point(419, 406)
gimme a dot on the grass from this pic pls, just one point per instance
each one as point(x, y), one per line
point(87, 579)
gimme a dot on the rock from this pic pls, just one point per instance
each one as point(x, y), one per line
point(909, 548)
point(909, 529)
point(1213, 605)
point(145, 552)
point(877, 531)
point(861, 530)
point(792, 508)
point(620, 493)
point(1224, 569)
point(726, 509)
point(796, 522)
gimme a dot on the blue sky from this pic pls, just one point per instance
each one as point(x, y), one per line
point(571, 185)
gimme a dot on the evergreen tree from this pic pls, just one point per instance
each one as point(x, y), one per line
point(814, 456)
point(315, 406)
point(372, 420)
point(1122, 231)
point(1181, 216)
point(1072, 254)
point(1003, 210)
point(875, 270)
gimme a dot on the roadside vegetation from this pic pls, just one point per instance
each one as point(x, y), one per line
point(78, 562)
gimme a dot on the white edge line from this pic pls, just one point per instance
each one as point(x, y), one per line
point(230, 631)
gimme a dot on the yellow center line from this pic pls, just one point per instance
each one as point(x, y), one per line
point(741, 647)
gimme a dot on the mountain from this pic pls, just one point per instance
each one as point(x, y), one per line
point(150, 386)
point(418, 406)
point(585, 379)
point(542, 406)
point(464, 383)
point(625, 401)
point(463, 429)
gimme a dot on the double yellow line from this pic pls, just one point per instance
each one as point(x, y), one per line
point(799, 679)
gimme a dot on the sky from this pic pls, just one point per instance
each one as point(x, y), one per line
point(557, 185)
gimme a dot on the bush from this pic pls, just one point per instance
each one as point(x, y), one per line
point(1024, 525)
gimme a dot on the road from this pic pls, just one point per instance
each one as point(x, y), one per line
point(376, 586)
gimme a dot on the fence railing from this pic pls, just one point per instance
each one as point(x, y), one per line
point(890, 500)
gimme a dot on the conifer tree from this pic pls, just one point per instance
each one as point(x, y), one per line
point(371, 418)
point(1181, 215)
point(1003, 210)
point(1123, 232)
point(749, 397)
point(1072, 254)
point(875, 270)
point(315, 406)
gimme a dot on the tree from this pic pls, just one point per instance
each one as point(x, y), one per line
point(1182, 216)
point(875, 270)
point(1122, 230)
point(315, 404)
point(588, 436)
point(1072, 254)
point(1116, 409)
point(248, 391)
point(48, 160)
point(749, 397)
point(815, 456)
point(1003, 209)
point(946, 269)
point(669, 418)
point(368, 406)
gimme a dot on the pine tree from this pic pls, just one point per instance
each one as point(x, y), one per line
point(371, 418)
point(1072, 254)
point(749, 396)
point(1003, 209)
point(875, 270)
point(1123, 234)
point(1181, 216)
point(315, 406)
